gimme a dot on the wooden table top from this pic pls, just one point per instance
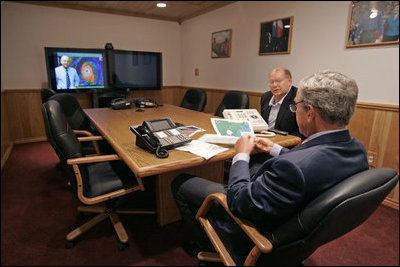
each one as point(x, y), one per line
point(114, 126)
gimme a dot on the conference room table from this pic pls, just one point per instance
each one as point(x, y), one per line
point(114, 126)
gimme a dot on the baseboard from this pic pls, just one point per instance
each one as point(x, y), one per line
point(19, 141)
point(6, 155)
point(390, 203)
point(30, 140)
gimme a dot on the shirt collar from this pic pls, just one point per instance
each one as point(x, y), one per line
point(313, 136)
point(271, 101)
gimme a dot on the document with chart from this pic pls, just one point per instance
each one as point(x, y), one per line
point(235, 128)
point(228, 131)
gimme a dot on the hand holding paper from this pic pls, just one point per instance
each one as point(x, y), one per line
point(245, 144)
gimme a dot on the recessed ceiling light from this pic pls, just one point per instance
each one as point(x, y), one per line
point(161, 4)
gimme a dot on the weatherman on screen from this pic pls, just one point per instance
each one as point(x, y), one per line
point(66, 76)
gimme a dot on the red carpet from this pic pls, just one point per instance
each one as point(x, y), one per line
point(37, 211)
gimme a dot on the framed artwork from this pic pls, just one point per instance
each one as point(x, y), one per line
point(221, 44)
point(276, 36)
point(373, 23)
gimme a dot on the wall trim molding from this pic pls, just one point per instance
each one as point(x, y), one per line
point(376, 106)
point(4, 158)
point(30, 140)
point(390, 203)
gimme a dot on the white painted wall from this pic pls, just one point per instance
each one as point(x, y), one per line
point(26, 29)
point(318, 42)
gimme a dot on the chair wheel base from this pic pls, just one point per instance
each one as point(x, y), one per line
point(70, 244)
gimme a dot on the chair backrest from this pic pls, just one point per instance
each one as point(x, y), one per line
point(46, 93)
point(332, 214)
point(61, 136)
point(77, 119)
point(194, 99)
point(233, 100)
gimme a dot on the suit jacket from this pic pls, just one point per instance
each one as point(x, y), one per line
point(286, 183)
point(285, 120)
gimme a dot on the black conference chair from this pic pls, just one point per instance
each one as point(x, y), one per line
point(80, 123)
point(194, 99)
point(46, 93)
point(73, 111)
point(233, 100)
point(94, 180)
point(332, 214)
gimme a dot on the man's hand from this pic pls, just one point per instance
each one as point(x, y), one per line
point(245, 144)
point(264, 144)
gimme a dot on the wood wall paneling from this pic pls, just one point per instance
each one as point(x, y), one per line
point(6, 140)
point(375, 125)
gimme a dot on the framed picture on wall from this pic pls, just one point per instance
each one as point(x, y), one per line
point(221, 44)
point(276, 36)
point(373, 23)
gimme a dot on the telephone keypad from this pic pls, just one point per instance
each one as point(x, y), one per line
point(171, 137)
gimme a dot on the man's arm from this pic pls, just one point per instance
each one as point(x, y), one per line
point(273, 194)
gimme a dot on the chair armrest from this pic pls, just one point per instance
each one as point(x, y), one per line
point(93, 159)
point(259, 239)
point(101, 198)
point(89, 137)
point(83, 132)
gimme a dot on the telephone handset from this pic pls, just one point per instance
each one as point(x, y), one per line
point(159, 135)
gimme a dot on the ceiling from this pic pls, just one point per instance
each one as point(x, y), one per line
point(178, 11)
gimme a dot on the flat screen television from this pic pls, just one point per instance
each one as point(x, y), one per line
point(135, 70)
point(84, 68)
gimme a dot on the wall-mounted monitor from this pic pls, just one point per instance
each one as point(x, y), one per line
point(76, 69)
point(135, 70)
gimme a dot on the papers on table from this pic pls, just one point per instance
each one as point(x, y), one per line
point(218, 139)
point(228, 131)
point(190, 130)
point(202, 149)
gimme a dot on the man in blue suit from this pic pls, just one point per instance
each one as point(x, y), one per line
point(290, 179)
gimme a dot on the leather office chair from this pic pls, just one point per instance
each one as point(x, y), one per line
point(46, 93)
point(194, 99)
point(94, 180)
point(79, 122)
point(332, 214)
point(233, 100)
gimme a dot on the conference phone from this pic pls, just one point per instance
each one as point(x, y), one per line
point(251, 115)
point(158, 135)
point(120, 103)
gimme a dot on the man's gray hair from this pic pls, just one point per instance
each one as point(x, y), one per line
point(332, 93)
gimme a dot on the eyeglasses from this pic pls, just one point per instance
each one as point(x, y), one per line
point(293, 107)
point(276, 82)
